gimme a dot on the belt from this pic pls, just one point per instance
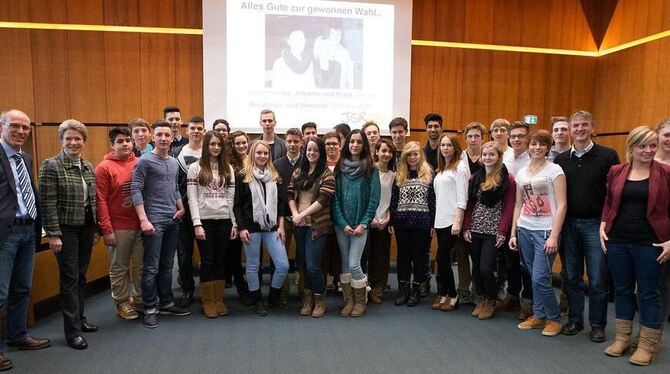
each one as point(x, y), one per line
point(23, 221)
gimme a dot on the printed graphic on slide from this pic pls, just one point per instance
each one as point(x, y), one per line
point(313, 52)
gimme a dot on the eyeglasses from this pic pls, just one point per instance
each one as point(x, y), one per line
point(330, 144)
point(16, 126)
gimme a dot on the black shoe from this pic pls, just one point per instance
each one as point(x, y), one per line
point(87, 327)
point(415, 295)
point(77, 343)
point(274, 298)
point(572, 328)
point(245, 297)
point(151, 321)
point(185, 300)
point(283, 299)
point(597, 334)
point(175, 311)
point(425, 289)
point(403, 294)
point(259, 305)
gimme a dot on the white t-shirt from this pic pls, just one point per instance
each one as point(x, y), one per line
point(539, 199)
point(386, 180)
point(514, 163)
point(451, 193)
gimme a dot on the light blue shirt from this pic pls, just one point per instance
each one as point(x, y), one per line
point(576, 153)
point(22, 211)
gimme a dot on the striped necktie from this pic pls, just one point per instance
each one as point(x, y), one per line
point(24, 183)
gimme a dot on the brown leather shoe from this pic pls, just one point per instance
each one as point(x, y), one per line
point(29, 344)
point(5, 363)
point(375, 295)
point(508, 304)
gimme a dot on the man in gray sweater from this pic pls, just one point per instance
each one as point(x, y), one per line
point(158, 205)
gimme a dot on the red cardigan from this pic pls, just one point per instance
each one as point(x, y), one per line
point(658, 206)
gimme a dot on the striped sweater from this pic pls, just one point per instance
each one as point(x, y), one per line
point(321, 223)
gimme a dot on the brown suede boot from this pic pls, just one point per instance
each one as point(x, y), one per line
point(348, 294)
point(219, 289)
point(319, 306)
point(207, 296)
point(307, 302)
point(376, 295)
point(649, 340)
point(478, 306)
point(488, 308)
point(622, 339)
point(360, 296)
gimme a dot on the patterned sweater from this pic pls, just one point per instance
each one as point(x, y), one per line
point(413, 204)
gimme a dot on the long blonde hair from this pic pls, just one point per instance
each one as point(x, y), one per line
point(424, 170)
point(248, 169)
point(494, 178)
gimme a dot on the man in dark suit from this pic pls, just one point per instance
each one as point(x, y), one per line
point(20, 230)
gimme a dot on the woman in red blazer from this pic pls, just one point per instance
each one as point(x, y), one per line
point(635, 234)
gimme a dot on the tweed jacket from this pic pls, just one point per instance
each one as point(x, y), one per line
point(62, 193)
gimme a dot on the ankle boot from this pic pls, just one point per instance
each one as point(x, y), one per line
point(624, 328)
point(219, 289)
point(207, 298)
point(243, 292)
point(488, 307)
point(307, 302)
point(319, 306)
point(274, 298)
point(376, 295)
point(403, 293)
point(348, 294)
point(650, 339)
point(415, 295)
point(259, 305)
point(479, 304)
point(360, 288)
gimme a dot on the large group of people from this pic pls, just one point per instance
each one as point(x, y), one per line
point(502, 209)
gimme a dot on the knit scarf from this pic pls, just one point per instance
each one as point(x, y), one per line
point(297, 66)
point(264, 200)
point(491, 197)
point(351, 169)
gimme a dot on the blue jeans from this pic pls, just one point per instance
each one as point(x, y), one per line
point(16, 275)
point(581, 241)
point(538, 263)
point(309, 251)
point(631, 264)
point(159, 250)
point(252, 252)
point(351, 250)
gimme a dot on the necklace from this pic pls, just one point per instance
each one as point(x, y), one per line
point(533, 171)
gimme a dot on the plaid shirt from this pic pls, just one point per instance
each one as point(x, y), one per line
point(62, 193)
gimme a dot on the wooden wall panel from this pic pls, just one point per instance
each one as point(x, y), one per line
point(49, 50)
point(157, 74)
point(635, 19)
point(189, 76)
point(422, 85)
point(509, 22)
point(123, 88)
point(158, 13)
point(448, 92)
point(12, 10)
point(16, 75)
point(423, 28)
point(88, 93)
point(632, 87)
point(121, 12)
point(87, 12)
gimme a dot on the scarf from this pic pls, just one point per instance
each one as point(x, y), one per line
point(351, 169)
point(491, 197)
point(264, 200)
point(297, 66)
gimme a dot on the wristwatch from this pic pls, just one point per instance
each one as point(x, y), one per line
point(364, 225)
